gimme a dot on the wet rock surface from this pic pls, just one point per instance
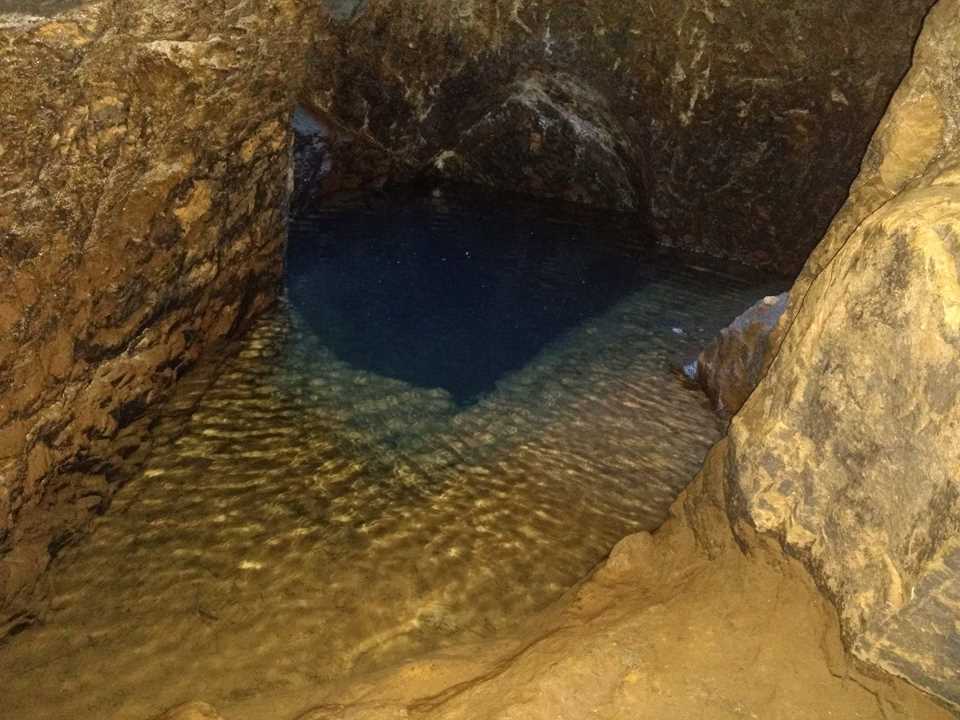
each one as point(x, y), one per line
point(731, 366)
point(143, 160)
point(736, 128)
point(848, 448)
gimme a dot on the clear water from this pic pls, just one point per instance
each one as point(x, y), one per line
point(454, 414)
point(442, 298)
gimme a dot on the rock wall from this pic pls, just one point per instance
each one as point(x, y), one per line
point(848, 449)
point(736, 126)
point(144, 153)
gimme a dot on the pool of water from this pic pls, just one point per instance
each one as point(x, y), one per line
point(438, 297)
point(457, 409)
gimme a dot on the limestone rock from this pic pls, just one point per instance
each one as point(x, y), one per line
point(848, 450)
point(143, 171)
point(550, 136)
point(735, 127)
point(731, 366)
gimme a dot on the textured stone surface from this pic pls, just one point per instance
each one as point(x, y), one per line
point(731, 366)
point(919, 130)
point(143, 172)
point(551, 135)
point(360, 164)
point(737, 126)
point(43, 8)
point(848, 450)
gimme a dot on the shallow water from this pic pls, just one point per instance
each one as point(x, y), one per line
point(316, 507)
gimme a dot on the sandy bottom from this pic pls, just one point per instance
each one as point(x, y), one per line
point(674, 625)
point(662, 630)
point(300, 521)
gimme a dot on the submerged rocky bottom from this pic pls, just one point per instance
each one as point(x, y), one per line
point(301, 519)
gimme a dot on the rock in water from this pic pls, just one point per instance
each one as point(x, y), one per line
point(731, 366)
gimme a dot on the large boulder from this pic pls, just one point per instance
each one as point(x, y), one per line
point(848, 449)
point(736, 127)
point(144, 153)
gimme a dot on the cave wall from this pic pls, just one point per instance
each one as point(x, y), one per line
point(737, 126)
point(144, 157)
point(848, 451)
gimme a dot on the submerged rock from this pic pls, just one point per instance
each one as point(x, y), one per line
point(731, 366)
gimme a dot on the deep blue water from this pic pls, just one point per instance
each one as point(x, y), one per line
point(455, 290)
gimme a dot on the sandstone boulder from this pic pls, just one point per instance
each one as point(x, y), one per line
point(848, 450)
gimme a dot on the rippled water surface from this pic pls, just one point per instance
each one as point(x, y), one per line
point(456, 411)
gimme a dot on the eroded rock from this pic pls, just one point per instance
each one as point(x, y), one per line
point(848, 449)
point(143, 160)
point(552, 136)
point(730, 367)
